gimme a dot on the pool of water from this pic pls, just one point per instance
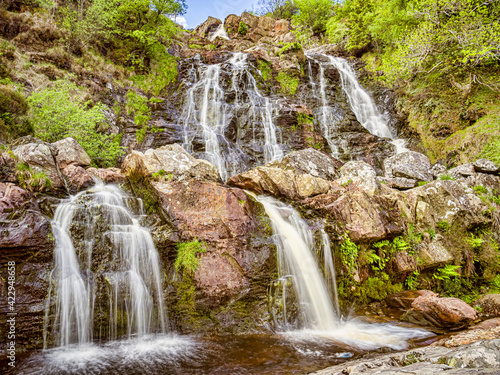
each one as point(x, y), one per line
point(295, 352)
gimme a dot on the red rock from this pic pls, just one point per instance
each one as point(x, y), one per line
point(404, 299)
point(78, 178)
point(108, 175)
point(444, 312)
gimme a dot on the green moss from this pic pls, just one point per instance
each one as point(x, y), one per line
point(288, 83)
point(376, 288)
point(187, 255)
point(195, 46)
point(349, 253)
point(265, 69)
point(443, 226)
point(242, 28)
point(290, 47)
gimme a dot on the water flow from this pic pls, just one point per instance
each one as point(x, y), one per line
point(361, 103)
point(104, 260)
point(219, 32)
point(329, 269)
point(295, 257)
point(220, 94)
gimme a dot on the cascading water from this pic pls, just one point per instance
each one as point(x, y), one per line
point(296, 263)
point(106, 264)
point(361, 103)
point(329, 269)
point(219, 97)
point(219, 32)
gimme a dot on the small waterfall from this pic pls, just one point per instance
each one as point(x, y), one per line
point(295, 245)
point(297, 265)
point(220, 32)
point(361, 103)
point(106, 269)
point(329, 269)
point(222, 94)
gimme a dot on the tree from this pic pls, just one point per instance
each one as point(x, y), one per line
point(313, 14)
point(278, 9)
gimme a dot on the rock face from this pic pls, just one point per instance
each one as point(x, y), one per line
point(404, 299)
point(441, 312)
point(168, 160)
point(108, 175)
point(78, 178)
point(208, 26)
point(69, 152)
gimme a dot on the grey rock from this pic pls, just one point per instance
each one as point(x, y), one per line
point(402, 183)
point(464, 170)
point(437, 170)
point(490, 303)
point(69, 152)
point(313, 162)
point(410, 164)
point(486, 166)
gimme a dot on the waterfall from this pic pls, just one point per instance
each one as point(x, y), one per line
point(219, 32)
point(295, 243)
point(329, 269)
point(105, 264)
point(296, 262)
point(360, 102)
point(218, 97)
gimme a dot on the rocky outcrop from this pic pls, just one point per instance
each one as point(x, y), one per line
point(440, 312)
point(404, 299)
point(482, 357)
point(408, 165)
point(69, 152)
point(78, 178)
point(288, 178)
point(208, 26)
point(170, 161)
point(108, 175)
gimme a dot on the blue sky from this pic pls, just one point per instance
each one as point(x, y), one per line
point(199, 10)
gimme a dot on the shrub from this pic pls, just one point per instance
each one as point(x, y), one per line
point(57, 112)
point(243, 28)
point(443, 225)
point(349, 252)
point(290, 47)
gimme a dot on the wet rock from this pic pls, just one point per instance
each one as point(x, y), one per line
point(69, 152)
point(208, 26)
point(171, 160)
point(39, 158)
point(490, 304)
point(465, 170)
point(404, 299)
point(487, 324)
point(23, 229)
point(476, 333)
point(78, 178)
point(311, 161)
point(410, 164)
point(108, 175)
point(486, 166)
point(441, 312)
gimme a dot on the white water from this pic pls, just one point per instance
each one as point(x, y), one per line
point(129, 269)
point(294, 241)
point(220, 32)
point(329, 269)
point(361, 103)
point(207, 109)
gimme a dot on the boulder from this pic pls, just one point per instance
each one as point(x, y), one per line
point(446, 312)
point(410, 164)
point(311, 161)
point(39, 158)
point(78, 178)
point(488, 181)
point(486, 166)
point(169, 160)
point(69, 152)
point(465, 170)
point(360, 174)
point(438, 170)
point(208, 26)
point(402, 183)
point(434, 254)
point(404, 299)
point(108, 175)
point(490, 304)
point(281, 27)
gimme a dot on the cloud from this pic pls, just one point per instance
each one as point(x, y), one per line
point(180, 20)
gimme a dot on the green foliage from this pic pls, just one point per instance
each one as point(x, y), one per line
point(58, 112)
point(303, 118)
point(288, 83)
point(349, 252)
point(186, 255)
point(290, 47)
point(443, 225)
point(422, 183)
point(411, 281)
point(13, 110)
point(32, 180)
point(313, 15)
point(445, 177)
point(336, 30)
point(265, 69)
point(242, 28)
point(480, 189)
point(376, 288)
point(278, 9)
point(447, 272)
point(492, 150)
point(475, 242)
point(495, 284)
point(432, 233)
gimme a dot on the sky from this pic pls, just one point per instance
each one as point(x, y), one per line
point(199, 10)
